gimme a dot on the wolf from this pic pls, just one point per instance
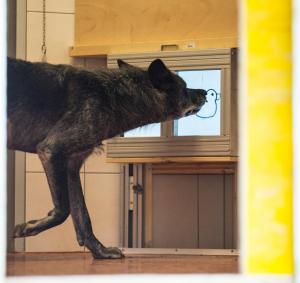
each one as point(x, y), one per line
point(62, 113)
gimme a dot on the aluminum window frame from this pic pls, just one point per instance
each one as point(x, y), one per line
point(168, 145)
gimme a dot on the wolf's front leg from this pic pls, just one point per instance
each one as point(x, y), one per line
point(80, 216)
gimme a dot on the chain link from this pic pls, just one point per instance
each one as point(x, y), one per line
point(44, 48)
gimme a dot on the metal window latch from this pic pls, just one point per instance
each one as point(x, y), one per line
point(137, 189)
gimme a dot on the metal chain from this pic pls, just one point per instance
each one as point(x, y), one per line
point(44, 48)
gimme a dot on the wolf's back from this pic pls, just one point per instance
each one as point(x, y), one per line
point(36, 100)
point(36, 83)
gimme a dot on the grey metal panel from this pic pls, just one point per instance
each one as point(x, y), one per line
point(211, 211)
point(140, 197)
point(135, 210)
point(175, 221)
point(138, 207)
point(148, 206)
point(124, 197)
point(229, 201)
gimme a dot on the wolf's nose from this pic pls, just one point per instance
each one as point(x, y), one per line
point(203, 92)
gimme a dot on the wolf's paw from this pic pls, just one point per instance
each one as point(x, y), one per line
point(108, 253)
point(25, 229)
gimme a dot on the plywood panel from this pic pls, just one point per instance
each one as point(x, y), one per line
point(175, 220)
point(130, 25)
point(211, 211)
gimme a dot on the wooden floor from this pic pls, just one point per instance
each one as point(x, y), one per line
point(82, 263)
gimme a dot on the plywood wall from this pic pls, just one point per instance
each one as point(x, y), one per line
point(114, 26)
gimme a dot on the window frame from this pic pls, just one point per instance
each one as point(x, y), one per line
point(168, 145)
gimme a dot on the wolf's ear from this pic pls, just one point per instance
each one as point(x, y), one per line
point(159, 74)
point(123, 65)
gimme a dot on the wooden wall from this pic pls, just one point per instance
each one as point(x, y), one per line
point(113, 26)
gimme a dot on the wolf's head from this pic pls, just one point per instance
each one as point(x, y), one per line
point(180, 101)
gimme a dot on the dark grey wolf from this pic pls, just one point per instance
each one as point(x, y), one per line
point(62, 113)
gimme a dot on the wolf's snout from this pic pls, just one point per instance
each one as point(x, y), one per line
point(197, 92)
point(192, 111)
point(204, 92)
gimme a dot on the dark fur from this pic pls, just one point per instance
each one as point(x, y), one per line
point(62, 113)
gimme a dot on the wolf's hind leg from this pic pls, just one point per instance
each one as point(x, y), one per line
point(34, 227)
point(80, 215)
point(56, 172)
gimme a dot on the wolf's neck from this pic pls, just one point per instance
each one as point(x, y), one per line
point(126, 121)
point(143, 110)
point(133, 102)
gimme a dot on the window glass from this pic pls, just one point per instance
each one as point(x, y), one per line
point(152, 130)
point(194, 125)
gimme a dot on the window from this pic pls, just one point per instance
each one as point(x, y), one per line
point(213, 69)
point(195, 125)
point(152, 130)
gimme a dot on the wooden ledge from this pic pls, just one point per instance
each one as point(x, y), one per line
point(169, 251)
point(142, 47)
point(104, 50)
point(185, 159)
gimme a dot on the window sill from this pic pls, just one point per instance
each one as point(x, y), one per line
point(175, 159)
